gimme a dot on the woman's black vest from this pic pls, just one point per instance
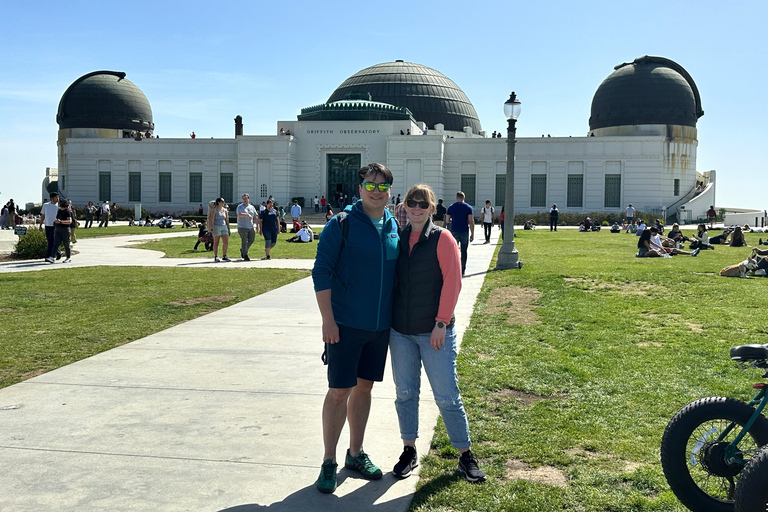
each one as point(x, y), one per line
point(419, 282)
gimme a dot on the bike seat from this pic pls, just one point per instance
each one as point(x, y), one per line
point(749, 353)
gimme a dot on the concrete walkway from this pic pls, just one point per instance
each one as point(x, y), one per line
point(221, 413)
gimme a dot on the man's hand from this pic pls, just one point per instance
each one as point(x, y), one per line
point(330, 332)
point(437, 338)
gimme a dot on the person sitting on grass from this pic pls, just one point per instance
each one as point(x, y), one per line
point(762, 263)
point(701, 238)
point(148, 221)
point(657, 245)
point(304, 235)
point(296, 227)
point(737, 238)
point(204, 237)
point(615, 228)
point(722, 238)
point(640, 227)
point(677, 235)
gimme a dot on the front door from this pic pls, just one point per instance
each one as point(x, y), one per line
point(342, 178)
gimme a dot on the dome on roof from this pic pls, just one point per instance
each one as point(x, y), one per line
point(649, 90)
point(431, 96)
point(104, 99)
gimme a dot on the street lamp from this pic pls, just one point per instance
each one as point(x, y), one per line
point(508, 256)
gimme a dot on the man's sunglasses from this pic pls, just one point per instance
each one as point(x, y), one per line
point(424, 205)
point(370, 186)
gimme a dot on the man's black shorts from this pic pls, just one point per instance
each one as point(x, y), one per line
point(358, 354)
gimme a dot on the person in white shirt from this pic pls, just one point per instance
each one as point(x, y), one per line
point(104, 215)
point(304, 235)
point(317, 205)
point(47, 217)
point(630, 218)
point(245, 215)
point(487, 216)
point(657, 246)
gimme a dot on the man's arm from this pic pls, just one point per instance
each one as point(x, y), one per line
point(330, 329)
point(471, 222)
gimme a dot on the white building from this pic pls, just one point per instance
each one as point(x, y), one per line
point(641, 147)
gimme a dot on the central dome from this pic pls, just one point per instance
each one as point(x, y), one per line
point(431, 96)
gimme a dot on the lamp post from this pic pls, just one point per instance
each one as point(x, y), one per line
point(508, 255)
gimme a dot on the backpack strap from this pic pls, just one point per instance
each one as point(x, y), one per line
point(343, 220)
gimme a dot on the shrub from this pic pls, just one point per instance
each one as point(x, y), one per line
point(31, 246)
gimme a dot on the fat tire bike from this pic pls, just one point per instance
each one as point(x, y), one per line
point(709, 441)
point(752, 491)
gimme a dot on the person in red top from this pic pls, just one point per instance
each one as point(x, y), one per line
point(322, 203)
point(711, 214)
point(427, 286)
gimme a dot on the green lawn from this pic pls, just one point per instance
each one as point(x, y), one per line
point(57, 317)
point(182, 247)
point(574, 365)
point(95, 232)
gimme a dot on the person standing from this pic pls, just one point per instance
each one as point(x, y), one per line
point(356, 312)
point(61, 229)
point(554, 214)
point(3, 216)
point(323, 203)
point(630, 217)
point(245, 215)
point(296, 210)
point(316, 202)
point(426, 292)
point(48, 217)
point(89, 211)
point(200, 209)
point(461, 217)
point(104, 214)
point(487, 215)
point(218, 217)
point(113, 210)
point(269, 220)
point(439, 217)
point(711, 214)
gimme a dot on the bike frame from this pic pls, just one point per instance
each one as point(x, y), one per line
point(732, 454)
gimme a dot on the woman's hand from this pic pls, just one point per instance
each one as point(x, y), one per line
point(437, 338)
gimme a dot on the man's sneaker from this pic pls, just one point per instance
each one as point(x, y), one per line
point(408, 461)
point(68, 260)
point(246, 258)
point(49, 259)
point(216, 259)
point(326, 482)
point(225, 258)
point(468, 466)
point(363, 465)
point(269, 257)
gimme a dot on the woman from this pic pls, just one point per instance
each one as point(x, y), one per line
point(113, 211)
point(737, 238)
point(218, 217)
point(89, 211)
point(428, 281)
point(701, 238)
point(676, 235)
point(501, 223)
point(61, 228)
point(329, 214)
point(644, 247)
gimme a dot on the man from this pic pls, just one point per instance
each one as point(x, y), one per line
point(317, 204)
point(323, 204)
point(401, 215)
point(104, 214)
point(711, 214)
point(439, 216)
point(47, 218)
point(269, 221)
point(295, 210)
point(356, 310)
point(461, 217)
point(630, 218)
point(304, 235)
point(487, 217)
point(245, 215)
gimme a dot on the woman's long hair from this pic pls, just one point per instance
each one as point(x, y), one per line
point(644, 237)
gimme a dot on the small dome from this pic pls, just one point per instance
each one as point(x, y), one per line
point(104, 99)
point(431, 96)
point(650, 90)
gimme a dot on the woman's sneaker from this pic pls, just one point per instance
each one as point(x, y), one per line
point(216, 259)
point(468, 466)
point(363, 465)
point(326, 482)
point(408, 461)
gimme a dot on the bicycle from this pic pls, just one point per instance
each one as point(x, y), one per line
point(752, 491)
point(706, 445)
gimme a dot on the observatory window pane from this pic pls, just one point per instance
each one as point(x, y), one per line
point(612, 190)
point(105, 186)
point(501, 189)
point(227, 187)
point(538, 190)
point(164, 189)
point(195, 187)
point(134, 186)
point(575, 190)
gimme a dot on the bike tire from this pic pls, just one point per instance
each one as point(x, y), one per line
point(689, 456)
point(752, 491)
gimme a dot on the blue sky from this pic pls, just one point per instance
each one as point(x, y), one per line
point(201, 64)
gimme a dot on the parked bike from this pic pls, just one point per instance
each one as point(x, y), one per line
point(709, 441)
point(752, 491)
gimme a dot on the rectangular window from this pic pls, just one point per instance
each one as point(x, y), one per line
point(575, 191)
point(468, 187)
point(134, 187)
point(501, 189)
point(538, 190)
point(226, 187)
point(105, 186)
point(612, 191)
point(677, 188)
point(164, 187)
point(195, 187)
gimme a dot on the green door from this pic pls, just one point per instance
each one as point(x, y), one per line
point(342, 177)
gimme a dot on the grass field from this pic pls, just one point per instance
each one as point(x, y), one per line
point(572, 367)
point(95, 232)
point(56, 317)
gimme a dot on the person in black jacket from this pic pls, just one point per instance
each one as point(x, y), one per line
point(553, 214)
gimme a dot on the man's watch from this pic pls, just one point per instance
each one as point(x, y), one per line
point(440, 325)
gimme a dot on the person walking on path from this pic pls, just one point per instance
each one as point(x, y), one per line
point(89, 211)
point(711, 214)
point(427, 289)
point(629, 220)
point(554, 213)
point(61, 230)
point(218, 217)
point(316, 201)
point(48, 218)
point(356, 310)
point(245, 215)
point(296, 210)
point(269, 222)
point(439, 217)
point(461, 217)
point(104, 214)
point(487, 215)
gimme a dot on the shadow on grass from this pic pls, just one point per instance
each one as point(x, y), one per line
point(434, 486)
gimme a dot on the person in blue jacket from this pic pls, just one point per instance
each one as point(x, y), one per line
point(354, 277)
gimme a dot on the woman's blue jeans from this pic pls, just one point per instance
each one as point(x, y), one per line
point(408, 352)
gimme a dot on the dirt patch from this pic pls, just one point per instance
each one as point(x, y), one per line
point(649, 344)
point(34, 373)
point(516, 302)
point(40, 332)
point(593, 285)
point(695, 327)
point(5, 310)
point(522, 397)
point(202, 300)
point(627, 466)
point(479, 356)
point(519, 470)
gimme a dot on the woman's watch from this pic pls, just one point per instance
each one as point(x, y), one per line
point(440, 325)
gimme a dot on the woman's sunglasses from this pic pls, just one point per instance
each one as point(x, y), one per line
point(370, 186)
point(412, 203)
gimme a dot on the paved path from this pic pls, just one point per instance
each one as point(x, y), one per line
point(221, 413)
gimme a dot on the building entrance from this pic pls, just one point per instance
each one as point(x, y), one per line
point(342, 179)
